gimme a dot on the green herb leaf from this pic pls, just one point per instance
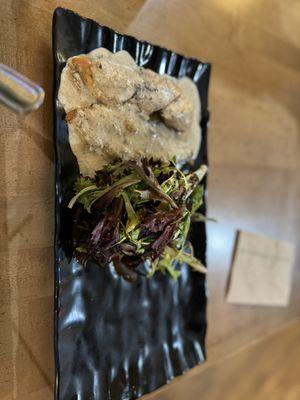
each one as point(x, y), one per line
point(198, 217)
point(153, 183)
point(82, 192)
point(167, 264)
point(133, 219)
point(82, 183)
point(197, 198)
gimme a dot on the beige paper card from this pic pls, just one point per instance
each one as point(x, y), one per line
point(261, 272)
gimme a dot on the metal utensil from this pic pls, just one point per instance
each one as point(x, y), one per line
point(19, 93)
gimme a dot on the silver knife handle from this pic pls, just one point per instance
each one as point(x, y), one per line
point(19, 93)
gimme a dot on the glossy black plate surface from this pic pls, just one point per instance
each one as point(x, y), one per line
point(115, 340)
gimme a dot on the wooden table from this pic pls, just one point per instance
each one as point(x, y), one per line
point(254, 180)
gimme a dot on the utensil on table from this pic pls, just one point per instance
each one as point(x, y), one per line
point(19, 93)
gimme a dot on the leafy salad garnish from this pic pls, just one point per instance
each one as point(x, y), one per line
point(137, 211)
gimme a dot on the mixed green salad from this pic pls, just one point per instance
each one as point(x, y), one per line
point(137, 211)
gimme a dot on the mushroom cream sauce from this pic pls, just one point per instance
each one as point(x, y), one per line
point(116, 109)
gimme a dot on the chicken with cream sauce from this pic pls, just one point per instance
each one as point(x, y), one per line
point(116, 109)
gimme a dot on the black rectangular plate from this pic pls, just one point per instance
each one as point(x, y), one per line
point(115, 340)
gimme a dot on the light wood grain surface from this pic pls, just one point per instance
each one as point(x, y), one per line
point(254, 180)
point(255, 372)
